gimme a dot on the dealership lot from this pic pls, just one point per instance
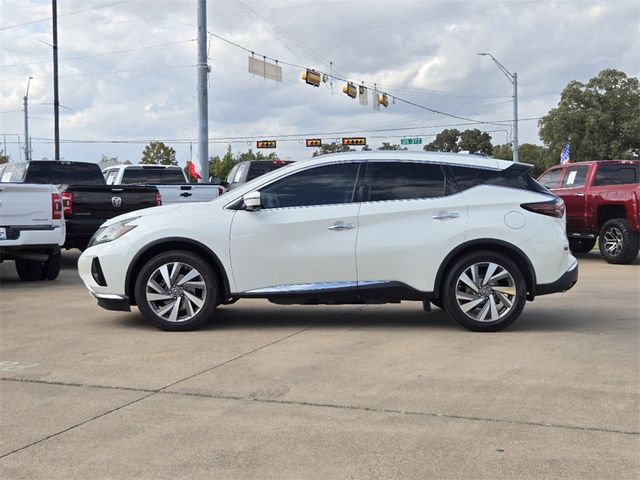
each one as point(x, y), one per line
point(320, 392)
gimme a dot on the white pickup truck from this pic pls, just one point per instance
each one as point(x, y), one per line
point(169, 179)
point(32, 229)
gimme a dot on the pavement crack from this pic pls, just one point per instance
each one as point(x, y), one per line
point(362, 408)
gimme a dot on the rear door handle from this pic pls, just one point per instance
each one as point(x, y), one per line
point(338, 227)
point(446, 215)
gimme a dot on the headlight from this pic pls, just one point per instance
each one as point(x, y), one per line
point(112, 232)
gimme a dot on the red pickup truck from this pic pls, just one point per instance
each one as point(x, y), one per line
point(602, 200)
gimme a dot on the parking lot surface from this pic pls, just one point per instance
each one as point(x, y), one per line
point(266, 391)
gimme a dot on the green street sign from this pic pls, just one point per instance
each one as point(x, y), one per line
point(411, 141)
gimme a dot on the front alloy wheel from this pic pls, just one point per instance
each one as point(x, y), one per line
point(485, 291)
point(176, 291)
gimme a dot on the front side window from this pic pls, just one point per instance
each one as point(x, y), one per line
point(324, 185)
point(551, 178)
point(404, 181)
point(575, 177)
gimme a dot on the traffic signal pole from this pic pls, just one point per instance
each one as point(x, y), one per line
point(56, 100)
point(203, 106)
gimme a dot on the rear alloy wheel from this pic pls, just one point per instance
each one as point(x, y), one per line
point(177, 291)
point(581, 245)
point(485, 292)
point(618, 244)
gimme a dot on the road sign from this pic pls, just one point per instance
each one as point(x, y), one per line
point(266, 144)
point(411, 141)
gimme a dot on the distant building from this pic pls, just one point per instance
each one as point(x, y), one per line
point(111, 162)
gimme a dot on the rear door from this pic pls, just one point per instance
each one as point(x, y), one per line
point(303, 238)
point(407, 223)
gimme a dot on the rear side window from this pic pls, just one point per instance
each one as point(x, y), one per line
point(575, 176)
point(617, 174)
point(515, 176)
point(324, 185)
point(404, 181)
point(551, 178)
point(64, 173)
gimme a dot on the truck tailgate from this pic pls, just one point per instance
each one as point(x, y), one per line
point(101, 202)
point(25, 204)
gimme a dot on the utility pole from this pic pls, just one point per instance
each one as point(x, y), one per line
point(56, 100)
point(27, 143)
point(513, 78)
point(203, 100)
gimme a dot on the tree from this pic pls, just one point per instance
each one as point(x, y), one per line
point(389, 146)
point(503, 152)
point(332, 147)
point(475, 141)
point(4, 158)
point(157, 153)
point(445, 141)
point(601, 119)
point(220, 167)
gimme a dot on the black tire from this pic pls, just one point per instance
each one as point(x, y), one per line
point(581, 245)
point(196, 298)
point(438, 303)
point(29, 270)
point(618, 244)
point(507, 294)
point(51, 268)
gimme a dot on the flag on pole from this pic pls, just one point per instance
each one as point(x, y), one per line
point(565, 155)
point(193, 171)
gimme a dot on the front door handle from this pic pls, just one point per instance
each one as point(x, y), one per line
point(446, 215)
point(338, 227)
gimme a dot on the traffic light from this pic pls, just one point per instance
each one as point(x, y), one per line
point(350, 89)
point(313, 142)
point(383, 100)
point(312, 77)
point(266, 144)
point(354, 141)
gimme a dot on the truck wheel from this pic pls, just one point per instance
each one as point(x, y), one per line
point(29, 270)
point(581, 245)
point(485, 291)
point(618, 244)
point(177, 290)
point(51, 268)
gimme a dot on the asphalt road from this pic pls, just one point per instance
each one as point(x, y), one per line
point(321, 392)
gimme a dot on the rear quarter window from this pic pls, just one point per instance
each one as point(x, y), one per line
point(515, 176)
point(617, 174)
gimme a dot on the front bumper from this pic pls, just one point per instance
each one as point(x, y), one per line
point(564, 283)
point(113, 302)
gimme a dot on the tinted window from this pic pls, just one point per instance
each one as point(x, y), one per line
point(551, 178)
point(64, 173)
point(329, 184)
point(515, 176)
point(153, 176)
point(404, 180)
point(257, 169)
point(575, 177)
point(617, 174)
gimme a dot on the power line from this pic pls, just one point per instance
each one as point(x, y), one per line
point(110, 72)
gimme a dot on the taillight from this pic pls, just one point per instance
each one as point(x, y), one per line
point(67, 204)
point(552, 208)
point(56, 206)
point(158, 199)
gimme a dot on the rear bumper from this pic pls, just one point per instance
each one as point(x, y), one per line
point(564, 283)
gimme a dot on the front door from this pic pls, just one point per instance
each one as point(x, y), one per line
point(304, 236)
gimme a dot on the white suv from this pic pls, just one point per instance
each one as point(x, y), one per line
point(473, 235)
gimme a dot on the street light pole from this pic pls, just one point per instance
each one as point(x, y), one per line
point(27, 146)
point(203, 102)
point(513, 78)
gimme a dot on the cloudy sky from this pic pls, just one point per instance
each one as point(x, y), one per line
point(128, 76)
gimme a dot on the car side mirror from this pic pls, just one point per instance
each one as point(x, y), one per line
point(252, 201)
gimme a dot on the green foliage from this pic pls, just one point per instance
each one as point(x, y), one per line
point(601, 119)
point(157, 153)
point(475, 141)
point(445, 141)
point(391, 146)
point(332, 147)
point(3, 157)
point(503, 152)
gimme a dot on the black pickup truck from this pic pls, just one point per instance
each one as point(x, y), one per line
point(86, 198)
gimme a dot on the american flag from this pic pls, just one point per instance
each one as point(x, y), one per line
point(565, 155)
